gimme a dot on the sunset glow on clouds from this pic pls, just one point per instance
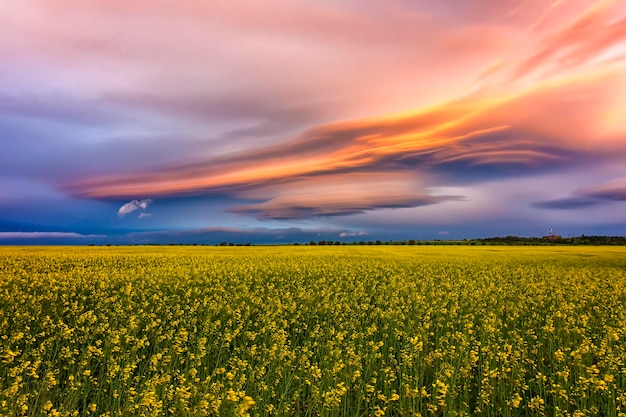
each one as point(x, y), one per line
point(294, 120)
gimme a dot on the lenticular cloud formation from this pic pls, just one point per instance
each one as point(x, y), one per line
point(527, 113)
point(413, 115)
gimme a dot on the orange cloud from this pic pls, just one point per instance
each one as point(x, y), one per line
point(509, 129)
point(536, 110)
point(338, 194)
point(587, 37)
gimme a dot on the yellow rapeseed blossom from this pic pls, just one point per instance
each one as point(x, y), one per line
point(290, 331)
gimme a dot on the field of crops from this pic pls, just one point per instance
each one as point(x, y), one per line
point(313, 331)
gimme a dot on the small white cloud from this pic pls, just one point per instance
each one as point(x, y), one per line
point(132, 206)
point(443, 233)
point(142, 215)
point(349, 234)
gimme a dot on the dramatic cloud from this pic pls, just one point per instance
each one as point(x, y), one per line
point(337, 195)
point(545, 126)
point(410, 115)
point(303, 207)
point(133, 206)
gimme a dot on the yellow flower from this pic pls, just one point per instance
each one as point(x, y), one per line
point(231, 395)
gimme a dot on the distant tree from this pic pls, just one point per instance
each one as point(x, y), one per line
point(411, 242)
point(312, 243)
point(337, 243)
point(322, 243)
point(223, 243)
point(378, 242)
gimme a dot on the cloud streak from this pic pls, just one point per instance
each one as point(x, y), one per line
point(609, 192)
point(591, 34)
point(338, 195)
point(303, 207)
point(46, 235)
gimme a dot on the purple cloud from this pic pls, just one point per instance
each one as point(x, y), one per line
point(611, 191)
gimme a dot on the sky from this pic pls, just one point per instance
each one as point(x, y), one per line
point(279, 121)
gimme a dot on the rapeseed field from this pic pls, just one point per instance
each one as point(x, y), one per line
point(313, 331)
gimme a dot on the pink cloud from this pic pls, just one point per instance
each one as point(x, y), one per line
point(337, 195)
point(260, 49)
point(327, 106)
point(548, 123)
point(586, 37)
